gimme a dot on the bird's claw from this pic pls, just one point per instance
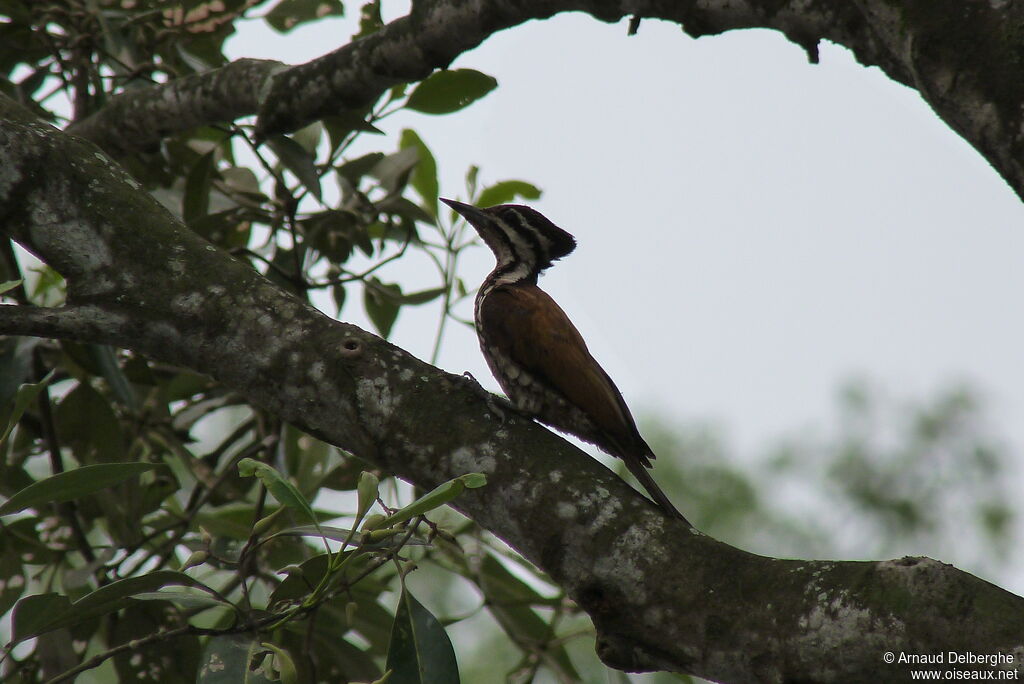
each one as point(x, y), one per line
point(473, 383)
point(499, 406)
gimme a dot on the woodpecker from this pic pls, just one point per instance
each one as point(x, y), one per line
point(533, 349)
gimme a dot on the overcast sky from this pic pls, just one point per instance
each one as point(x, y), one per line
point(753, 229)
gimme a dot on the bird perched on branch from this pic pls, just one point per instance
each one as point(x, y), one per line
point(533, 349)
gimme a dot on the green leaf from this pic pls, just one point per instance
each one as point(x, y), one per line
point(444, 92)
point(195, 202)
point(340, 126)
point(422, 297)
point(473, 480)
point(78, 354)
point(509, 599)
point(183, 385)
point(341, 534)
point(368, 490)
point(288, 14)
point(338, 295)
point(28, 86)
point(202, 53)
point(341, 661)
point(12, 576)
point(345, 476)
point(299, 584)
point(106, 358)
point(357, 610)
point(370, 20)
point(296, 159)
point(283, 664)
point(21, 537)
point(167, 662)
point(231, 521)
point(74, 484)
point(306, 458)
point(22, 398)
point(336, 533)
point(111, 597)
point(424, 176)
point(54, 611)
point(331, 232)
point(227, 229)
point(32, 613)
point(283, 490)
point(16, 368)
point(355, 169)
point(436, 497)
point(9, 285)
point(392, 293)
point(381, 304)
point(88, 425)
point(394, 170)
point(242, 180)
point(49, 285)
point(309, 137)
point(226, 660)
point(507, 191)
point(420, 650)
point(187, 599)
point(396, 205)
point(471, 178)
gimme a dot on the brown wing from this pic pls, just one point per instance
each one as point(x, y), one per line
point(536, 334)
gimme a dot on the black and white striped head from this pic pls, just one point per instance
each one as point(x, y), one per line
point(523, 241)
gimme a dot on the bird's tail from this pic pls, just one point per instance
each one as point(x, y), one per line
point(644, 477)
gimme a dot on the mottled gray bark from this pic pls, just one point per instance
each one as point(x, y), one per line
point(662, 596)
point(140, 118)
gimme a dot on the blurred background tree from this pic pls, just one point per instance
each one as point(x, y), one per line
point(157, 526)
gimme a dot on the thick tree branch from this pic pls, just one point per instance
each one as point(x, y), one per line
point(67, 322)
point(139, 119)
point(662, 596)
point(965, 59)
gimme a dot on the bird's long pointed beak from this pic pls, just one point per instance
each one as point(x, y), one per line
point(475, 216)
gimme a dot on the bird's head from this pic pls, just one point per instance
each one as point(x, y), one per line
point(522, 239)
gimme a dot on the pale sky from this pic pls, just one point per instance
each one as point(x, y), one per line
point(753, 229)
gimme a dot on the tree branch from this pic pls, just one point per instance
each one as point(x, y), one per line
point(140, 118)
point(67, 322)
point(963, 58)
point(662, 596)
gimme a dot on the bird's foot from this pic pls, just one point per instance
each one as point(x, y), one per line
point(475, 385)
point(498, 405)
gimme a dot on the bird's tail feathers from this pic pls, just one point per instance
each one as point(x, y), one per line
point(644, 477)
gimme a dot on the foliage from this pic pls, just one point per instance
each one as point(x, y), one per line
point(137, 519)
point(896, 477)
point(154, 524)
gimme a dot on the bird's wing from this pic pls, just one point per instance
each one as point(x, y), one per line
point(536, 334)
